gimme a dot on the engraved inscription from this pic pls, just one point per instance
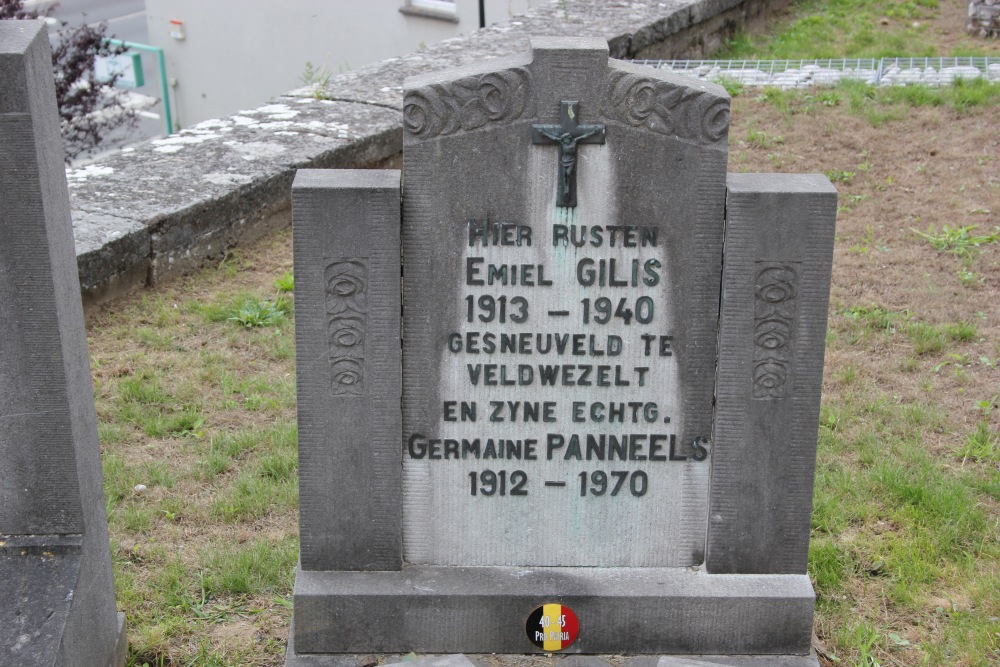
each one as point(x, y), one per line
point(589, 327)
point(561, 396)
point(498, 98)
point(665, 108)
point(774, 321)
point(347, 319)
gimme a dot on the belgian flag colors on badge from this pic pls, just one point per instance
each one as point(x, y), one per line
point(552, 627)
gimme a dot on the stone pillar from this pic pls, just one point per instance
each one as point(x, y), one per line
point(57, 604)
point(347, 337)
point(775, 293)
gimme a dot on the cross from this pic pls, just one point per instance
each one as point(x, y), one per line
point(567, 135)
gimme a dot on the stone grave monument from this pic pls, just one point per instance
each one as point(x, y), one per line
point(584, 419)
point(57, 603)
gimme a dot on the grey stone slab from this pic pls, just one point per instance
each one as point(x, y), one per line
point(209, 167)
point(558, 660)
point(37, 578)
point(639, 661)
point(450, 660)
point(112, 255)
point(469, 156)
point(776, 282)
point(430, 609)
point(583, 661)
point(98, 233)
point(740, 661)
point(36, 444)
point(294, 659)
point(50, 469)
point(121, 642)
point(189, 198)
point(347, 329)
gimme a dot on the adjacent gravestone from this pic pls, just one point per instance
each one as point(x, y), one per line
point(584, 448)
point(57, 604)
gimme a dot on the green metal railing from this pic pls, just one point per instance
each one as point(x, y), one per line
point(881, 71)
point(162, 63)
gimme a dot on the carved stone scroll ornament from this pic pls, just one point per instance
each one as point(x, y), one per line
point(686, 113)
point(347, 320)
point(466, 104)
point(774, 322)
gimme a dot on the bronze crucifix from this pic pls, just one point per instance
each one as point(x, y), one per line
point(567, 135)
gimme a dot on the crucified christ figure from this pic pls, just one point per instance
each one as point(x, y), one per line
point(568, 135)
point(567, 155)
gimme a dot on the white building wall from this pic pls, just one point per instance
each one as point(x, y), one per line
point(236, 54)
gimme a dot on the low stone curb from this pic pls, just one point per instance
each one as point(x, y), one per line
point(554, 660)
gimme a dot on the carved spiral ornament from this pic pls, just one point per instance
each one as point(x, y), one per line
point(775, 312)
point(769, 378)
point(667, 109)
point(714, 117)
point(776, 284)
point(347, 320)
point(419, 115)
point(346, 375)
point(470, 103)
point(347, 331)
point(772, 333)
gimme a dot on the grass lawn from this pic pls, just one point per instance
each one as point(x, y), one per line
point(195, 381)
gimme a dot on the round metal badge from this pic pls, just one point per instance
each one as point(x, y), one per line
point(552, 627)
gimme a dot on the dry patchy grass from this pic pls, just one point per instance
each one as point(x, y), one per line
point(200, 409)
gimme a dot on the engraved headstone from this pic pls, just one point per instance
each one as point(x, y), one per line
point(57, 604)
point(611, 355)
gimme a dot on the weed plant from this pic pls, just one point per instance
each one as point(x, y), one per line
point(318, 78)
point(958, 240)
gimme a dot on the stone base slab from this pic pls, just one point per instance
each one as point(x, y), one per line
point(121, 644)
point(37, 593)
point(647, 611)
point(548, 660)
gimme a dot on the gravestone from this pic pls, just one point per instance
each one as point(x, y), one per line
point(585, 417)
point(57, 604)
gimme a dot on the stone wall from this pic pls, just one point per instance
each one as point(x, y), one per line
point(170, 205)
point(984, 18)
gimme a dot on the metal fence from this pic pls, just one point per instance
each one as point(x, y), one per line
point(803, 73)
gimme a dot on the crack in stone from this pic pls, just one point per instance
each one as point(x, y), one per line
point(353, 101)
